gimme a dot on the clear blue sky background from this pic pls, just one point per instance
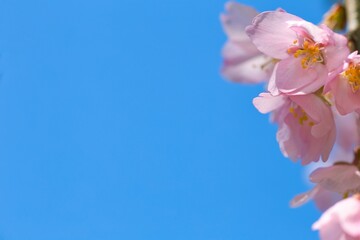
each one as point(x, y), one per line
point(115, 124)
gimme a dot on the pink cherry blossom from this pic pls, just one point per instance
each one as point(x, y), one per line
point(307, 53)
point(306, 125)
point(243, 62)
point(333, 180)
point(341, 222)
point(345, 87)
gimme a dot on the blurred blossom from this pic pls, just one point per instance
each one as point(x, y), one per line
point(243, 62)
point(341, 222)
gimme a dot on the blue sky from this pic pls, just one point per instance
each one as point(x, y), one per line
point(115, 124)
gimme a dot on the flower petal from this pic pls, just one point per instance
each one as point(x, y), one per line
point(303, 198)
point(266, 102)
point(236, 18)
point(272, 29)
point(253, 70)
point(292, 79)
point(337, 178)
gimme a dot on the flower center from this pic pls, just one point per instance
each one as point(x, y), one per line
point(309, 51)
point(353, 76)
point(301, 116)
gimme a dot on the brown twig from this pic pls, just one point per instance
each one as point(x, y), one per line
point(353, 23)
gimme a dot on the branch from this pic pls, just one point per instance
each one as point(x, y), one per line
point(353, 23)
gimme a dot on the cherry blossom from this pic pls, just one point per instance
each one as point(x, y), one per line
point(345, 87)
point(306, 125)
point(307, 53)
point(332, 180)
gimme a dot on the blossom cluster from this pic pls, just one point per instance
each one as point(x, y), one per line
point(312, 81)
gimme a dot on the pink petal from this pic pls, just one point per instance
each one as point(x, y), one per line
point(266, 102)
point(311, 104)
point(272, 88)
point(349, 216)
point(303, 198)
point(325, 199)
point(322, 197)
point(305, 141)
point(239, 51)
point(346, 100)
point(318, 111)
point(329, 141)
point(330, 231)
point(337, 178)
point(336, 50)
point(291, 78)
point(308, 30)
point(287, 146)
point(254, 70)
point(272, 29)
point(335, 56)
point(244, 63)
point(347, 138)
point(236, 18)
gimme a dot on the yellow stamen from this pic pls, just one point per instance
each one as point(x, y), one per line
point(301, 117)
point(292, 111)
point(353, 76)
point(310, 53)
